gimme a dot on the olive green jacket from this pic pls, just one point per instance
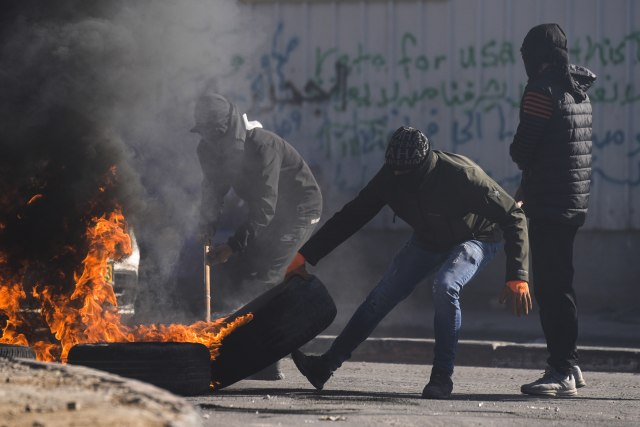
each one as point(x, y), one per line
point(453, 201)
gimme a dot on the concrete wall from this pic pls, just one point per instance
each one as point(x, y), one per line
point(337, 77)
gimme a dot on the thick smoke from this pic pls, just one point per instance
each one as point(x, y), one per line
point(58, 147)
point(90, 86)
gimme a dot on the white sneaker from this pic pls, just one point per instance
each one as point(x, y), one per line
point(577, 375)
point(552, 383)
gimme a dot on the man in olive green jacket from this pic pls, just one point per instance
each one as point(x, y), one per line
point(459, 216)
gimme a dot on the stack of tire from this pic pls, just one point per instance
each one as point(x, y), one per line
point(284, 319)
point(12, 351)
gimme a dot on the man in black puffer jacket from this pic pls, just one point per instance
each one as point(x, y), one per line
point(459, 216)
point(552, 147)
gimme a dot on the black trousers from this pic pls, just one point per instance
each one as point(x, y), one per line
point(261, 266)
point(551, 246)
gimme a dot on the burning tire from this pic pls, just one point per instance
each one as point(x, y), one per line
point(11, 351)
point(181, 368)
point(284, 318)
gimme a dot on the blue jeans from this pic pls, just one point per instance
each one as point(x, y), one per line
point(453, 269)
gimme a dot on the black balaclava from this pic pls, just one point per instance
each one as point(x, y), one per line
point(408, 152)
point(223, 133)
point(547, 43)
point(218, 121)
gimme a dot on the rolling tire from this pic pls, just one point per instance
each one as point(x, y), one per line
point(182, 368)
point(284, 318)
point(11, 351)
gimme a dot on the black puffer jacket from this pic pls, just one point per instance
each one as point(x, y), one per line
point(453, 201)
point(552, 146)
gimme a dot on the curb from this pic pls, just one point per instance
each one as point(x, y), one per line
point(491, 354)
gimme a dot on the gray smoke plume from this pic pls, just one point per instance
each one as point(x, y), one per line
point(90, 85)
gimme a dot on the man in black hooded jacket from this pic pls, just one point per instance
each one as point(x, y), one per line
point(552, 147)
point(283, 200)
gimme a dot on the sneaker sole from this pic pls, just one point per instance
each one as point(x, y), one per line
point(295, 355)
point(551, 393)
point(426, 396)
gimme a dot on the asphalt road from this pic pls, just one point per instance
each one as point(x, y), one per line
point(380, 394)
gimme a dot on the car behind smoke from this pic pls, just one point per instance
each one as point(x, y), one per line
point(123, 276)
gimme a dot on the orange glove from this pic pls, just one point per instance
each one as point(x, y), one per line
point(518, 291)
point(297, 267)
point(298, 261)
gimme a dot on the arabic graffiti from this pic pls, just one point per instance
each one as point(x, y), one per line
point(610, 91)
point(351, 100)
point(617, 138)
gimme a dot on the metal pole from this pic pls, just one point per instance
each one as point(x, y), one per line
point(207, 286)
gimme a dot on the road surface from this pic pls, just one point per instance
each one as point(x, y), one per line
point(379, 394)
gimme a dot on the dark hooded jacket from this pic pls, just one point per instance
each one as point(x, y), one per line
point(552, 145)
point(450, 201)
point(263, 170)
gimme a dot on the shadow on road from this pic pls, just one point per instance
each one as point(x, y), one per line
point(319, 395)
point(390, 397)
point(253, 410)
point(483, 397)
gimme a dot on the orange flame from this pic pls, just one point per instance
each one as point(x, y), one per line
point(10, 297)
point(210, 334)
point(90, 313)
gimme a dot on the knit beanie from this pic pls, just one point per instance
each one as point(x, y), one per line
point(407, 149)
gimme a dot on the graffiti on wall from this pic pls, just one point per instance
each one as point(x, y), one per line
point(463, 99)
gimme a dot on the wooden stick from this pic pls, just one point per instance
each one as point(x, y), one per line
point(207, 286)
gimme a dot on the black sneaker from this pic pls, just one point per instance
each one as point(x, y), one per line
point(440, 386)
point(315, 368)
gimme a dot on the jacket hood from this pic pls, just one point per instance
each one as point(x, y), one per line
point(545, 43)
point(582, 76)
point(218, 120)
